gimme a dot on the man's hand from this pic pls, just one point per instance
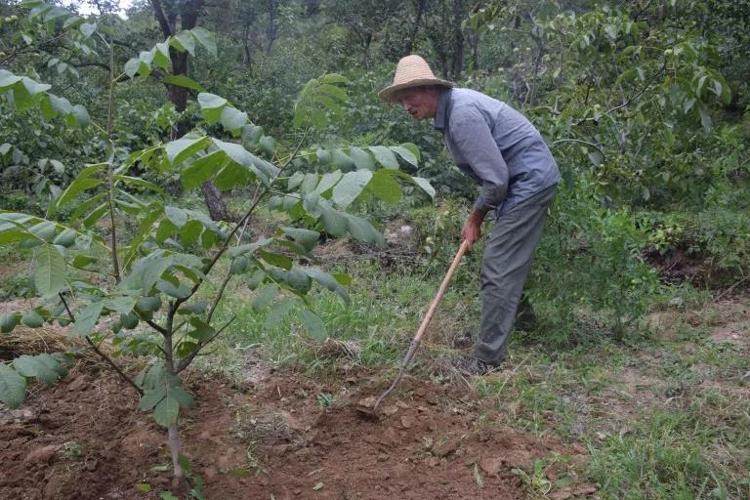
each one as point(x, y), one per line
point(472, 229)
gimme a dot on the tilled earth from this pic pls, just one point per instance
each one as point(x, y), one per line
point(286, 436)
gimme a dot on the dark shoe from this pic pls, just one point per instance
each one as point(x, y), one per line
point(474, 367)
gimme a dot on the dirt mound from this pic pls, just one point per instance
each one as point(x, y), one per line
point(288, 437)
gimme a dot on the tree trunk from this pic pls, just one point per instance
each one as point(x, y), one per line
point(457, 63)
point(217, 209)
point(272, 29)
point(188, 12)
point(419, 6)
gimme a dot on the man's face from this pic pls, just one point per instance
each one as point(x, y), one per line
point(419, 102)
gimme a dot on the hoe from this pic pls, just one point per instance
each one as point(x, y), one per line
point(372, 411)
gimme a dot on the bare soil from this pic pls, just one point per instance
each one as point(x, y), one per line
point(287, 436)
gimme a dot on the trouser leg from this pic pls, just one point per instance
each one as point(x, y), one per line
point(505, 266)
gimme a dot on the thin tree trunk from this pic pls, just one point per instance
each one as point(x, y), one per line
point(188, 18)
point(420, 8)
point(217, 209)
point(458, 40)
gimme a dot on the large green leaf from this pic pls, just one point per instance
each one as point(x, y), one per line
point(408, 154)
point(206, 39)
point(233, 120)
point(211, 106)
point(43, 367)
point(333, 221)
point(385, 187)
point(202, 169)
point(304, 237)
point(185, 147)
point(49, 274)
point(184, 41)
point(350, 187)
point(166, 411)
point(12, 387)
point(361, 158)
point(313, 324)
point(183, 81)
point(265, 296)
point(425, 185)
point(384, 156)
point(363, 230)
point(86, 318)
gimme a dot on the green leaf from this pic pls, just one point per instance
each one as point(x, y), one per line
point(88, 29)
point(362, 230)
point(176, 216)
point(328, 181)
point(384, 156)
point(184, 40)
point(361, 158)
point(425, 185)
point(211, 106)
point(166, 411)
point(12, 387)
point(131, 67)
point(314, 325)
point(233, 119)
point(181, 395)
point(279, 312)
point(202, 169)
point(350, 187)
point(328, 281)
point(49, 275)
point(342, 161)
point(151, 398)
point(304, 237)
point(265, 296)
point(161, 55)
point(122, 304)
point(276, 259)
point(86, 318)
point(385, 187)
point(201, 331)
point(183, 81)
point(333, 221)
point(42, 366)
point(185, 147)
point(178, 292)
point(407, 154)
point(206, 39)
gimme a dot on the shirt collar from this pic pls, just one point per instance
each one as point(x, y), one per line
point(441, 114)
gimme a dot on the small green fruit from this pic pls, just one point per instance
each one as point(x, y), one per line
point(8, 322)
point(32, 319)
point(129, 320)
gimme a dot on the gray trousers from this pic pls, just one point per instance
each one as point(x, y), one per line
point(507, 258)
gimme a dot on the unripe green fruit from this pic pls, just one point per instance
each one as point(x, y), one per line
point(32, 319)
point(148, 304)
point(8, 322)
point(129, 320)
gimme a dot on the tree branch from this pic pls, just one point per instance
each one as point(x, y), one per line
point(101, 354)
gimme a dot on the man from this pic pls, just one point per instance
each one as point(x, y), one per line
point(503, 152)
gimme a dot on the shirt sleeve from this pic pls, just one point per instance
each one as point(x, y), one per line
point(472, 137)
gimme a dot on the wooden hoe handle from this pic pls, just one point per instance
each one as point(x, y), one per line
point(426, 321)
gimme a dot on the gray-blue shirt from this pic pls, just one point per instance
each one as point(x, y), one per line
point(495, 145)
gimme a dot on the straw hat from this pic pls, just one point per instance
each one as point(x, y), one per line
point(411, 71)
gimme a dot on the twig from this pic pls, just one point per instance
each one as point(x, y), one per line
point(101, 354)
point(185, 362)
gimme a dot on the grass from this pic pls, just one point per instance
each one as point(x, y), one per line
point(663, 414)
